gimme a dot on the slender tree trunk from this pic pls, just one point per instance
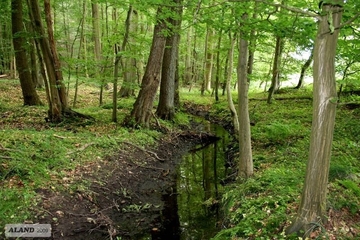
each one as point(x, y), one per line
point(194, 69)
point(58, 72)
point(188, 56)
point(275, 80)
point(177, 103)
point(245, 152)
point(303, 70)
point(252, 44)
point(233, 111)
point(27, 86)
point(226, 66)
point(57, 106)
point(208, 62)
point(141, 113)
point(217, 77)
point(312, 209)
point(118, 59)
point(81, 41)
point(129, 64)
point(97, 46)
point(166, 107)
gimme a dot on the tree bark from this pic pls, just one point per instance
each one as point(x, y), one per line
point(246, 168)
point(97, 46)
point(303, 70)
point(275, 80)
point(141, 113)
point(208, 61)
point(233, 111)
point(27, 86)
point(118, 59)
point(217, 77)
point(312, 209)
point(130, 68)
point(58, 106)
point(57, 65)
point(166, 108)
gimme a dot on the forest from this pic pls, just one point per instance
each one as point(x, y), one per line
point(176, 119)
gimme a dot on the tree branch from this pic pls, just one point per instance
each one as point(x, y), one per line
point(349, 21)
point(289, 8)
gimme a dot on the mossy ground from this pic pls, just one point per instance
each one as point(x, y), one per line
point(39, 158)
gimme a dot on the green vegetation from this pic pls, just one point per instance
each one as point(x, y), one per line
point(35, 155)
point(261, 207)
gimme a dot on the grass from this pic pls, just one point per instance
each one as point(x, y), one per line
point(262, 206)
point(35, 155)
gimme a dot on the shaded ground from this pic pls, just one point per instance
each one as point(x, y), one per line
point(124, 194)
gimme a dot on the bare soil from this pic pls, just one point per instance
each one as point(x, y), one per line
point(124, 193)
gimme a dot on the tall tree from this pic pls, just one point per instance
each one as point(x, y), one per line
point(208, 60)
point(230, 58)
point(130, 70)
point(58, 99)
point(19, 41)
point(246, 168)
point(303, 70)
point(166, 108)
point(118, 58)
point(141, 113)
point(275, 79)
point(312, 209)
point(97, 45)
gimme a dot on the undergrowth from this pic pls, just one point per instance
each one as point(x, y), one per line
point(264, 205)
point(35, 154)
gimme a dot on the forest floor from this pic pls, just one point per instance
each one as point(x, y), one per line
point(125, 195)
point(113, 195)
point(97, 180)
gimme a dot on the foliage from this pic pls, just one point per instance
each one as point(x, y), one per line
point(262, 207)
point(36, 155)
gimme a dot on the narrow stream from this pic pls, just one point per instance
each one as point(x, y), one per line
point(191, 205)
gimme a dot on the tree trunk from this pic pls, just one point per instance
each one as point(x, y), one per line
point(188, 63)
point(233, 111)
point(58, 72)
point(275, 80)
point(97, 46)
point(37, 81)
point(303, 70)
point(252, 44)
point(312, 210)
point(245, 152)
point(118, 59)
point(217, 77)
point(166, 107)
point(130, 68)
point(142, 110)
point(208, 62)
point(81, 41)
point(58, 105)
point(27, 86)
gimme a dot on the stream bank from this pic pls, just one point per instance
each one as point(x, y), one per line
point(125, 192)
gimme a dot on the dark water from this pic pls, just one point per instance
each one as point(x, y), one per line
point(191, 205)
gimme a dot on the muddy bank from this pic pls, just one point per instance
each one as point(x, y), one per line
point(124, 197)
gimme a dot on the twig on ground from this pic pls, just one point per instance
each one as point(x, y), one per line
point(147, 151)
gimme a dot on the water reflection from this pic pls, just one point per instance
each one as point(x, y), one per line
point(191, 209)
point(198, 187)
